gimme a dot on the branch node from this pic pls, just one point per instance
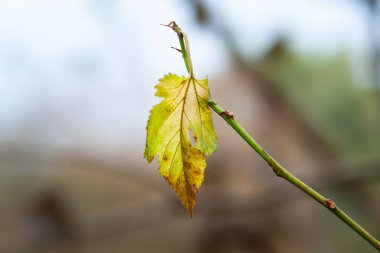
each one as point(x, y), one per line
point(173, 25)
point(329, 204)
point(276, 171)
point(274, 166)
point(228, 114)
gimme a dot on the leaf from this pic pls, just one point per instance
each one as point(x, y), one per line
point(184, 109)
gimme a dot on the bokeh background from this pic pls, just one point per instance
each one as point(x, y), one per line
point(76, 85)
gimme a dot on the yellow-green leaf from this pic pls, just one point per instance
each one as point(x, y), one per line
point(184, 109)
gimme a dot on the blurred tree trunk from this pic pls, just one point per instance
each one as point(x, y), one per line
point(374, 7)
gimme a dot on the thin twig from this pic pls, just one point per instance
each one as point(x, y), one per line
point(283, 173)
point(185, 48)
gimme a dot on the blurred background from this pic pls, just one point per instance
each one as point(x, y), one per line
point(76, 85)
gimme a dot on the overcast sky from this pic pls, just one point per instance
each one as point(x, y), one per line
point(81, 72)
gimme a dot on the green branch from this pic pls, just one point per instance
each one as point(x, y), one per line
point(277, 168)
point(283, 173)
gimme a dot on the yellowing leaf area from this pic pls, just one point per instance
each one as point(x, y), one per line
point(184, 109)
